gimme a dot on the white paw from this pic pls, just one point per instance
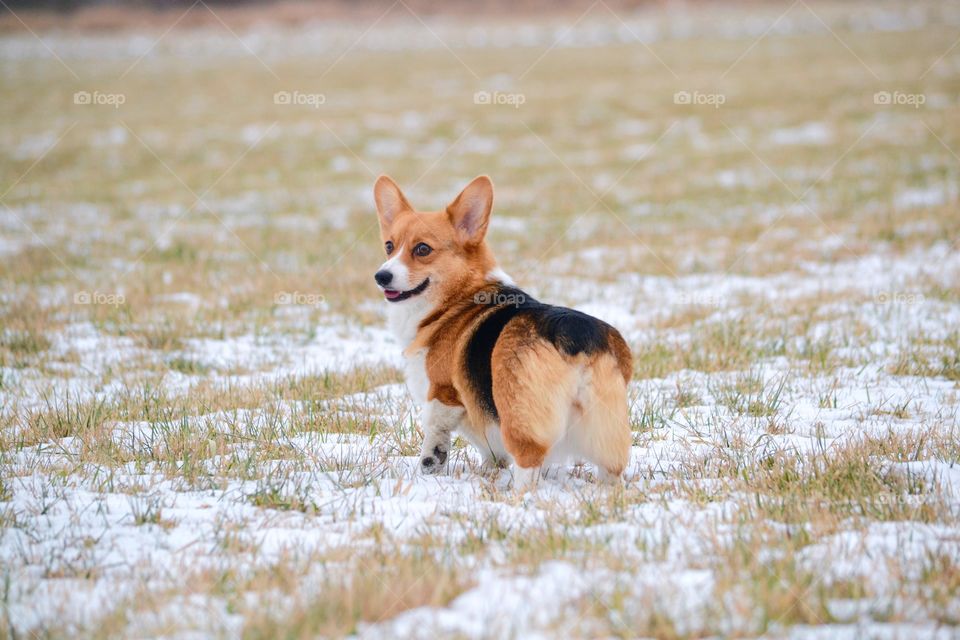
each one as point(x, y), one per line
point(605, 477)
point(526, 479)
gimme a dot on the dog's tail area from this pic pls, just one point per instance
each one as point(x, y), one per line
point(600, 424)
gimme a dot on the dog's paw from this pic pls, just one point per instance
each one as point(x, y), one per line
point(526, 480)
point(492, 466)
point(432, 463)
point(429, 465)
point(607, 478)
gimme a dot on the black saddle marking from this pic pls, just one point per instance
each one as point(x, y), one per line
point(570, 331)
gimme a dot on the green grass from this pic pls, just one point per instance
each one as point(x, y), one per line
point(849, 480)
point(750, 395)
point(774, 401)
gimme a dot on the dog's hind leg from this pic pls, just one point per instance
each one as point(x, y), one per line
point(600, 425)
point(533, 387)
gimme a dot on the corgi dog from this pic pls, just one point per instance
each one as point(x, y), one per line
point(526, 383)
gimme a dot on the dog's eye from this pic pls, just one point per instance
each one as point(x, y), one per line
point(422, 250)
point(388, 247)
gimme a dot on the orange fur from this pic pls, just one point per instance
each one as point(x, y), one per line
point(544, 397)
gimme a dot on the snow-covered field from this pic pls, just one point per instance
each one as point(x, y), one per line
point(204, 428)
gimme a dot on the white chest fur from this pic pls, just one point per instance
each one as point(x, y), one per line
point(404, 318)
point(418, 383)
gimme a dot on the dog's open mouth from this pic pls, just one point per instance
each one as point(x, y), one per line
point(392, 295)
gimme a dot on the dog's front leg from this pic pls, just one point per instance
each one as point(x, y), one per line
point(439, 421)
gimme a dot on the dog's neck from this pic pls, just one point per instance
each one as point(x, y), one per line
point(407, 317)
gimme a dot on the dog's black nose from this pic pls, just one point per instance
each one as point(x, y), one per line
point(383, 278)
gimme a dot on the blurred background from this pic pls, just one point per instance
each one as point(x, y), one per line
point(761, 196)
point(206, 160)
point(112, 14)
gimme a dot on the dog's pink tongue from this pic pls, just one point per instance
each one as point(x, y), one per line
point(390, 294)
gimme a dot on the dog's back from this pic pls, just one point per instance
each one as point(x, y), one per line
point(553, 379)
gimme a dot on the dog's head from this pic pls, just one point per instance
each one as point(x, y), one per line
point(433, 254)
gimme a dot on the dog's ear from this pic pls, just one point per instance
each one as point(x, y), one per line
point(470, 211)
point(390, 201)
